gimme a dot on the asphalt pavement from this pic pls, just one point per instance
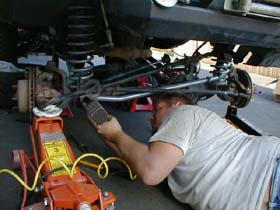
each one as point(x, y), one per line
point(263, 112)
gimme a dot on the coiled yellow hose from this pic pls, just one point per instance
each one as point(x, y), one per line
point(71, 171)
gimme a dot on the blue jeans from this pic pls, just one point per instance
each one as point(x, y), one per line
point(274, 200)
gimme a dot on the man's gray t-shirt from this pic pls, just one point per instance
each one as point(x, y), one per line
point(222, 167)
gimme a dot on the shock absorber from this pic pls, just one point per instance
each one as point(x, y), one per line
point(80, 43)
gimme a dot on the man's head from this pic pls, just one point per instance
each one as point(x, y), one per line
point(163, 103)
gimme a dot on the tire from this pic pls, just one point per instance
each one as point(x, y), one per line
point(8, 43)
point(7, 92)
point(8, 52)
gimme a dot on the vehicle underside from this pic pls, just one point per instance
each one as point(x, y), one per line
point(123, 32)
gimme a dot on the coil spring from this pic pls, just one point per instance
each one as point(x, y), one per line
point(222, 68)
point(222, 65)
point(80, 43)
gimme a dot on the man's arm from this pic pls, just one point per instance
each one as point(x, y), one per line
point(152, 163)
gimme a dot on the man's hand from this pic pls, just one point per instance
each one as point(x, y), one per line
point(152, 162)
point(110, 129)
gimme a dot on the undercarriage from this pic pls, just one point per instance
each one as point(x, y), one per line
point(51, 86)
point(123, 34)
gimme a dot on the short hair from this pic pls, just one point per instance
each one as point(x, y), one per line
point(171, 97)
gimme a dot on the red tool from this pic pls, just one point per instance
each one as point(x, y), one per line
point(59, 190)
point(136, 104)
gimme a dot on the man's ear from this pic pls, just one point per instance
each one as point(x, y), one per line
point(178, 103)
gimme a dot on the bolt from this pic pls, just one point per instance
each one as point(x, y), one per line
point(85, 206)
point(111, 206)
point(105, 194)
point(46, 201)
point(38, 189)
point(14, 86)
point(30, 208)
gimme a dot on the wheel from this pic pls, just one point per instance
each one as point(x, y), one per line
point(111, 207)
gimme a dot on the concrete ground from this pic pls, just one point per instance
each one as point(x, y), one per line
point(263, 112)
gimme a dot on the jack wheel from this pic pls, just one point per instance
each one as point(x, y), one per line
point(111, 207)
point(16, 160)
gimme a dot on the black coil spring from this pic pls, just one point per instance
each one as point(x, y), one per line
point(80, 44)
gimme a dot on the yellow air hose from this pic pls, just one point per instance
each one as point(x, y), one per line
point(70, 172)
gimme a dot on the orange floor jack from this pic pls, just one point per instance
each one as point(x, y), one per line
point(61, 187)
